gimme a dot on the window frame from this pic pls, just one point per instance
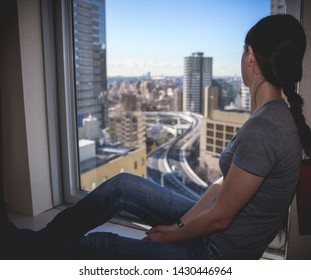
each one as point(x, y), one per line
point(61, 103)
point(51, 100)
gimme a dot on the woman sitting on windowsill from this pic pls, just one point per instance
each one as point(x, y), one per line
point(239, 215)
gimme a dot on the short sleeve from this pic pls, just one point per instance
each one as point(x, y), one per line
point(256, 148)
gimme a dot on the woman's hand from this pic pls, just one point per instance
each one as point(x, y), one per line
point(161, 233)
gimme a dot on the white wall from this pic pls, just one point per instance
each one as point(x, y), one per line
point(26, 176)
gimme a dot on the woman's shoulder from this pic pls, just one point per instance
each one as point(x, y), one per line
point(273, 118)
point(259, 127)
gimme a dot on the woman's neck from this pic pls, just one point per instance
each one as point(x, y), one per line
point(263, 92)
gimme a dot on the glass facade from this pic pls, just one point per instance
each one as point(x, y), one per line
point(90, 77)
point(90, 62)
point(99, 142)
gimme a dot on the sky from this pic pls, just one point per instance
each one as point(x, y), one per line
point(155, 35)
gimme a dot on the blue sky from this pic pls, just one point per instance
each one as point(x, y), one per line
point(155, 35)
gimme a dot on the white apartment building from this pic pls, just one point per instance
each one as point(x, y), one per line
point(245, 98)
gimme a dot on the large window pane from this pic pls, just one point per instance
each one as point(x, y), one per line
point(114, 126)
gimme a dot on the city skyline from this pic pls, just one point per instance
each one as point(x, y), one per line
point(156, 37)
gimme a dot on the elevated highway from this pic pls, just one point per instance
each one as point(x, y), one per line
point(168, 165)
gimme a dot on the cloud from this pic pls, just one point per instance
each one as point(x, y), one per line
point(226, 69)
point(139, 67)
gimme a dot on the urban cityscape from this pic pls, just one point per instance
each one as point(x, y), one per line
point(169, 129)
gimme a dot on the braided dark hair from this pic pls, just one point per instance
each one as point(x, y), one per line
point(279, 44)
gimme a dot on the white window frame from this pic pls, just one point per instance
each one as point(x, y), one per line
point(61, 102)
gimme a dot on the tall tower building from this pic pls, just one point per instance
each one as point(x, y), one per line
point(278, 7)
point(197, 75)
point(90, 60)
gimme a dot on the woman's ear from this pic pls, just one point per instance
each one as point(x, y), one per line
point(251, 62)
point(250, 57)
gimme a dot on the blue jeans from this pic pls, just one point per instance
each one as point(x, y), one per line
point(155, 205)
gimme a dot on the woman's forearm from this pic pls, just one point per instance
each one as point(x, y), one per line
point(203, 224)
point(199, 220)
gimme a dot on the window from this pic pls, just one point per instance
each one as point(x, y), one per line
point(219, 127)
point(210, 125)
point(229, 136)
point(229, 128)
point(90, 86)
point(219, 143)
point(219, 135)
point(88, 141)
point(103, 114)
point(210, 133)
point(79, 54)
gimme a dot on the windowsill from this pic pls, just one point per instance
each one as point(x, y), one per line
point(34, 223)
point(272, 255)
point(120, 225)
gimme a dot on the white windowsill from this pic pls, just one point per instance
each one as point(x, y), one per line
point(120, 226)
point(123, 227)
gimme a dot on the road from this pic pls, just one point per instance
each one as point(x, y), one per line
point(168, 166)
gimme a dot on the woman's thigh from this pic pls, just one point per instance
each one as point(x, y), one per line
point(124, 192)
point(153, 203)
point(139, 196)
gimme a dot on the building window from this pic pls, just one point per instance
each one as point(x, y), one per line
point(219, 143)
point(210, 125)
point(219, 127)
point(209, 148)
point(210, 133)
point(219, 135)
point(229, 136)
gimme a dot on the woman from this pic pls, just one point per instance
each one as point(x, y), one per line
point(241, 213)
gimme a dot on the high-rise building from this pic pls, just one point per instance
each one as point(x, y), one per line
point(278, 7)
point(90, 60)
point(245, 98)
point(126, 125)
point(197, 75)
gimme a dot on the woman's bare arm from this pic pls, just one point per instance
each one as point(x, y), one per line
point(236, 190)
point(205, 202)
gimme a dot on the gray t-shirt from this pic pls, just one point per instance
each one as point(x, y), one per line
point(267, 145)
